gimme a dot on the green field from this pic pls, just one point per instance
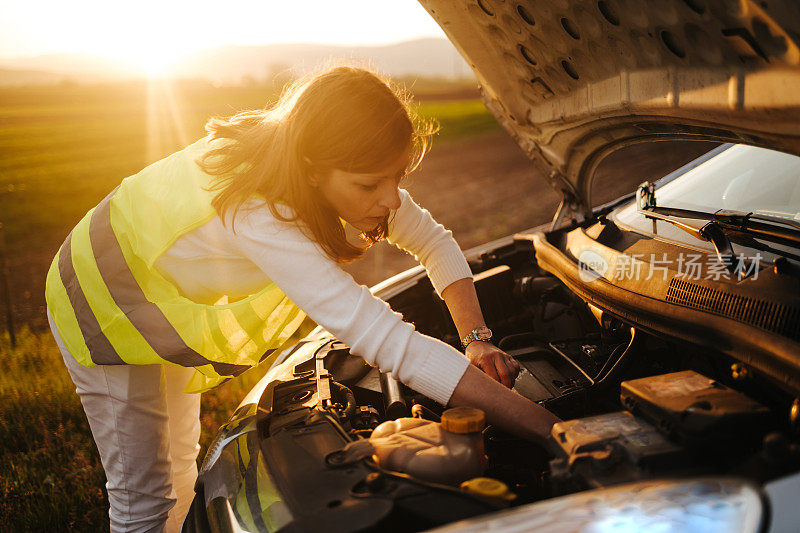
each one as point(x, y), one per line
point(62, 148)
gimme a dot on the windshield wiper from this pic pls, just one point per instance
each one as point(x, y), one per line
point(719, 225)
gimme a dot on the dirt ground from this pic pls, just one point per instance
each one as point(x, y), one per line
point(481, 188)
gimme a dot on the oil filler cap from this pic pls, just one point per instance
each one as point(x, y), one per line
point(463, 420)
point(488, 488)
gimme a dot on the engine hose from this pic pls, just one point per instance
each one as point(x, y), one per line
point(396, 404)
point(349, 399)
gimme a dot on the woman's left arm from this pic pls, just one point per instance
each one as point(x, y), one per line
point(413, 229)
point(462, 301)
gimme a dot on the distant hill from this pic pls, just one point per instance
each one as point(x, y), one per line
point(28, 77)
point(56, 68)
point(235, 64)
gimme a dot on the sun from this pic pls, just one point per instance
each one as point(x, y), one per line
point(149, 58)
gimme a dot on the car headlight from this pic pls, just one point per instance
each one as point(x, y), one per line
point(663, 506)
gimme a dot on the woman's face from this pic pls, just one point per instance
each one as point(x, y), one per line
point(364, 200)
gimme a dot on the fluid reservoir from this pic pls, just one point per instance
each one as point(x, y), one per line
point(448, 452)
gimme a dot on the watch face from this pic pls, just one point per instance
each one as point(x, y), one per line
point(483, 334)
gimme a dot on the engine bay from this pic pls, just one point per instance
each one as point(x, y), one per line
point(635, 406)
point(639, 409)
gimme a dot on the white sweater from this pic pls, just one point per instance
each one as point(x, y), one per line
point(211, 262)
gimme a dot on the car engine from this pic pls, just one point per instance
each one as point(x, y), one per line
point(327, 442)
point(635, 406)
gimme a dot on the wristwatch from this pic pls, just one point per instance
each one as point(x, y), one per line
point(479, 334)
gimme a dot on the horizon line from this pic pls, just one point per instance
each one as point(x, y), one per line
point(4, 56)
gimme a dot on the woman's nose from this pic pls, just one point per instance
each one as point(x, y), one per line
point(390, 198)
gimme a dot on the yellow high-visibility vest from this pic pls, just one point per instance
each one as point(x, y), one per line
point(111, 306)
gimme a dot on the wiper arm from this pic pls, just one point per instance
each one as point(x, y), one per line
point(646, 205)
point(754, 224)
point(751, 223)
point(766, 227)
point(719, 224)
point(711, 231)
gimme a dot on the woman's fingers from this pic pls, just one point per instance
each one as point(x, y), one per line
point(506, 370)
point(503, 372)
point(513, 366)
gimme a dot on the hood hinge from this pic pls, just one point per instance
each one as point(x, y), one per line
point(569, 212)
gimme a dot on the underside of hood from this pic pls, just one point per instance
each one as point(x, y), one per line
point(574, 80)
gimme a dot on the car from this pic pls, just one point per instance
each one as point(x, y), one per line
point(663, 328)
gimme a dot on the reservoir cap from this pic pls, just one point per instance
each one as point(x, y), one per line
point(463, 420)
point(489, 488)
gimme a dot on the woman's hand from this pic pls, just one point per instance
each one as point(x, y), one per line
point(496, 363)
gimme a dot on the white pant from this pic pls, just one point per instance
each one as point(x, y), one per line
point(146, 430)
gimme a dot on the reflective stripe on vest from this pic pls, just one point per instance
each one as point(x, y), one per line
point(111, 306)
point(100, 349)
point(145, 316)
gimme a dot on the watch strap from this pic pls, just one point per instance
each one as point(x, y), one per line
point(478, 334)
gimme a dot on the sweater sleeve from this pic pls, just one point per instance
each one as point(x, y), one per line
point(414, 230)
point(331, 297)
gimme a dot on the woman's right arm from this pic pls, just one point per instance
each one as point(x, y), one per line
point(331, 297)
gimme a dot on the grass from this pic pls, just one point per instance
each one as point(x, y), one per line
point(51, 478)
point(51, 475)
point(459, 119)
point(61, 150)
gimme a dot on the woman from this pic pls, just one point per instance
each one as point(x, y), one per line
point(206, 262)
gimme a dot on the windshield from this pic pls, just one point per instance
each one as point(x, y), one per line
point(741, 178)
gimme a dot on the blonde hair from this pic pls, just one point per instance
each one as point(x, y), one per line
point(344, 118)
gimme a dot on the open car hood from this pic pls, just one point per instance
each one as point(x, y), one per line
point(573, 81)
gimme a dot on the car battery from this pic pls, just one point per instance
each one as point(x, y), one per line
point(604, 450)
point(695, 410)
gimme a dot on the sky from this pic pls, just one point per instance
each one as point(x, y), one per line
point(153, 33)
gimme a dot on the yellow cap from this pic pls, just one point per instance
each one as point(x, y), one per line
point(463, 420)
point(489, 488)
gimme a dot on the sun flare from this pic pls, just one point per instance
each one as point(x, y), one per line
point(150, 59)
